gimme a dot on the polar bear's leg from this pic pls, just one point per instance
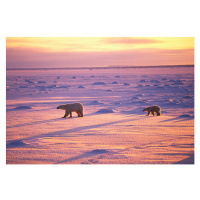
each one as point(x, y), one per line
point(78, 113)
point(81, 113)
point(70, 114)
point(148, 113)
point(153, 113)
point(66, 114)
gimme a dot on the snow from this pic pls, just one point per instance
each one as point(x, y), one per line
point(23, 107)
point(109, 110)
point(114, 129)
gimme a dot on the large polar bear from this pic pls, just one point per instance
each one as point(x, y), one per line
point(153, 109)
point(73, 107)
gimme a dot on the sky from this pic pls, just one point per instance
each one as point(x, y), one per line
point(69, 52)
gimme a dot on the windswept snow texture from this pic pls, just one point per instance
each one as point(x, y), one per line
point(114, 129)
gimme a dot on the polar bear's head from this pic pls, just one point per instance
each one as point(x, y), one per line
point(62, 107)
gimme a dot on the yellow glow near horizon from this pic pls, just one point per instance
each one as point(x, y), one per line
point(67, 44)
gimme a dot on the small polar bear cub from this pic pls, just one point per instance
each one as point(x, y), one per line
point(73, 107)
point(153, 109)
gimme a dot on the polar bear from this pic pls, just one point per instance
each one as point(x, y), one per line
point(73, 107)
point(153, 109)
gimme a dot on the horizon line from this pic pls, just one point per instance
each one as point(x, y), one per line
point(108, 67)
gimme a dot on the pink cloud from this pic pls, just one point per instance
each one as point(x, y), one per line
point(126, 40)
point(19, 57)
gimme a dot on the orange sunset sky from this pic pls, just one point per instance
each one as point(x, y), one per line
point(32, 52)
